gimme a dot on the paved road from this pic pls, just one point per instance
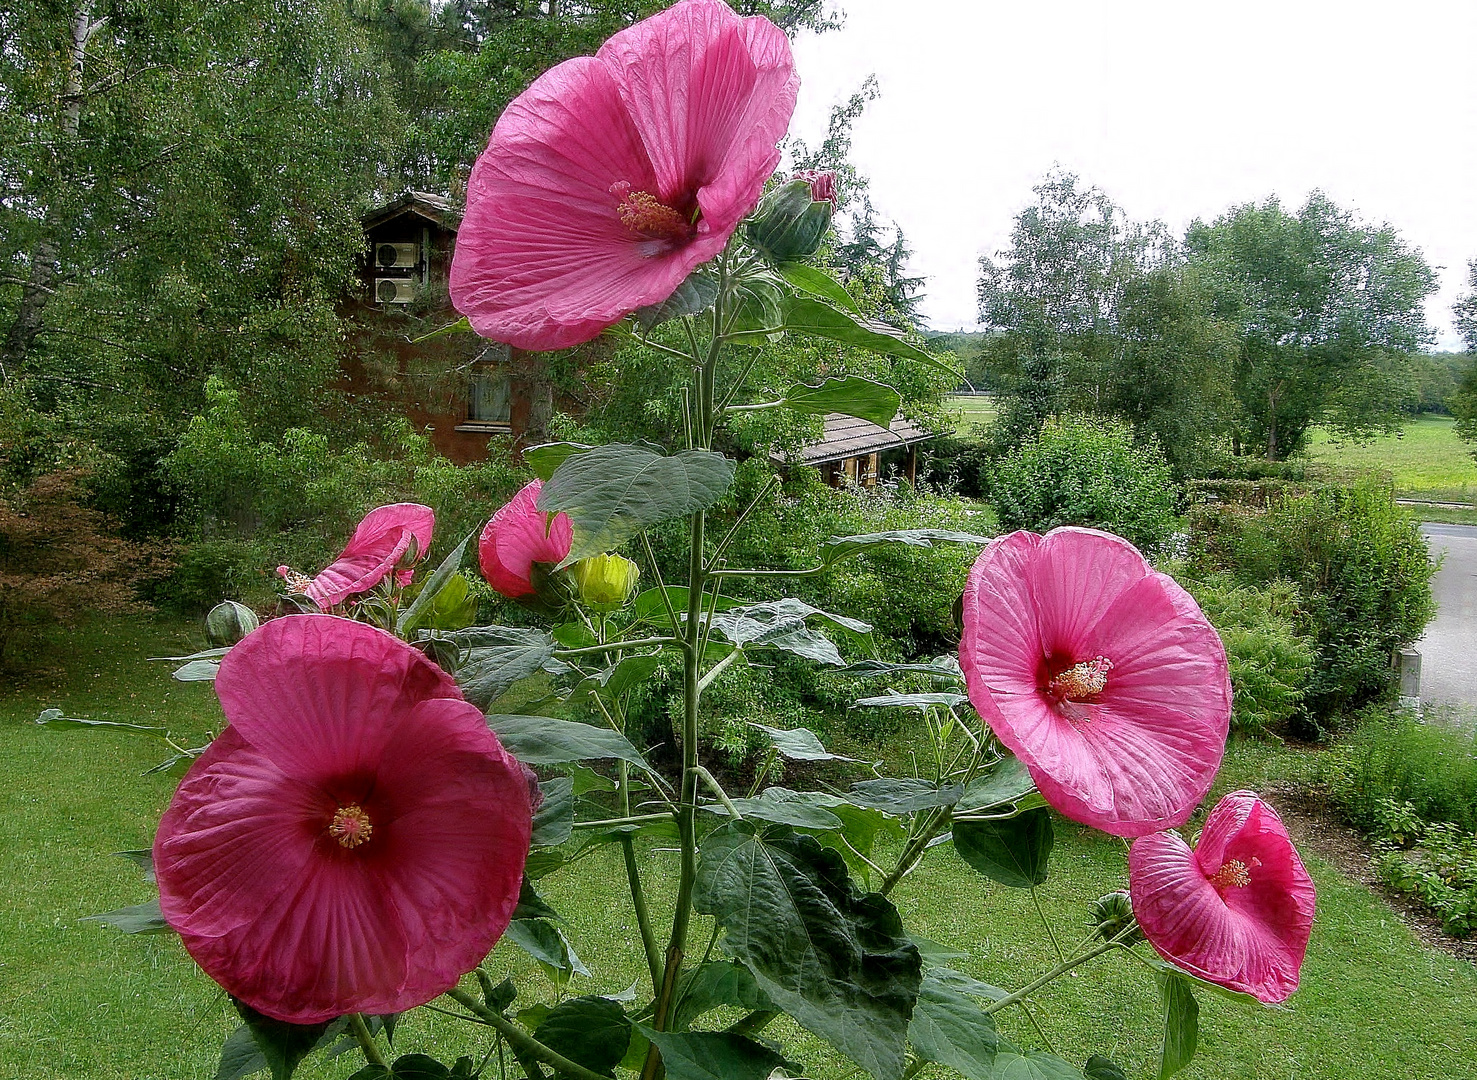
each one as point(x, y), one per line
point(1449, 649)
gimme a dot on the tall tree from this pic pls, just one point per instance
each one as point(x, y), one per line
point(1328, 311)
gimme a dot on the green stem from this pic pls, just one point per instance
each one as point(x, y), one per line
point(1036, 984)
point(718, 669)
point(914, 849)
point(521, 1041)
point(657, 574)
point(1049, 932)
point(615, 646)
point(366, 1041)
point(643, 919)
point(722, 795)
point(733, 530)
point(629, 819)
point(726, 572)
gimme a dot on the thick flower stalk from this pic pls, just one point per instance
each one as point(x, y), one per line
point(1237, 909)
point(1101, 674)
point(519, 535)
point(380, 544)
point(354, 840)
point(612, 177)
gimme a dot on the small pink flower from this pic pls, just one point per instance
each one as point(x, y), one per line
point(1100, 674)
point(822, 184)
point(354, 840)
point(1237, 910)
point(518, 536)
point(378, 545)
point(612, 177)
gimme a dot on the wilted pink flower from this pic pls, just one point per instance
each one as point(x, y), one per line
point(1100, 674)
point(611, 177)
point(354, 839)
point(518, 536)
point(1237, 910)
point(822, 184)
point(378, 545)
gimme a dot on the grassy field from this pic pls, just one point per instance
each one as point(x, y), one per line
point(1426, 459)
point(974, 412)
point(81, 1002)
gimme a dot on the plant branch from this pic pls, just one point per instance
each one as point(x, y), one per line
point(1036, 984)
point(520, 1040)
point(366, 1041)
point(615, 646)
point(657, 573)
point(643, 919)
point(722, 795)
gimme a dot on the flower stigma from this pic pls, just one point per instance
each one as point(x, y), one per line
point(1234, 874)
point(1081, 680)
point(645, 215)
point(351, 826)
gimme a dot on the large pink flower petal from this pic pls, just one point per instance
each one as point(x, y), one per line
point(1249, 934)
point(320, 696)
point(518, 536)
point(379, 541)
point(1138, 756)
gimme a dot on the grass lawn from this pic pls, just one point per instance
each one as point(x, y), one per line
point(1426, 459)
point(79, 1001)
point(975, 412)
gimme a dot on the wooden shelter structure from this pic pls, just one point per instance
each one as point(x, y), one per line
point(855, 451)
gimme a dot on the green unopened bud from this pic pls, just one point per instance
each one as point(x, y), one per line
point(1112, 914)
point(229, 622)
point(605, 581)
point(793, 218)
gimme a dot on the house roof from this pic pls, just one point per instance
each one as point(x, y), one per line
point(851, 436)
point(437, 209)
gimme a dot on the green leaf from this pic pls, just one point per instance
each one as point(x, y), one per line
point(418, 1067)
point(543, 740)
point(1005, 784)
point(649, 606)
point(713, 985)
point(498, 656)
point(903, 796)
point(1181, 1023)
point(240, 1056)
point(783, 807)
point(839, 547)
point(713, 1055)
point(781, 624)
point(836, 961)
point(913, 701)
point(1101, 1068)
point(145, 918)
point(949, 1028)
point(453, 608)
point(937, 668)
point(964, 984)
point(852, 396)
point(1012, 1063)
point(547, 457)
point(611, 493)
point(591, 1031)
point(554, 821)
point(758, 318)
point(497, 996)
point(1200, 984)
point(797, 744)
point(818, 319)
point(284, 1045)
point(1013, 851)
point(143, 858)
point(619, 677)
point(198, 671)
point(817, 282)
point(696, 293)
point(542, 862)
point(461, 326)
point(54, 719)
point(547, 944)
point(411, 617)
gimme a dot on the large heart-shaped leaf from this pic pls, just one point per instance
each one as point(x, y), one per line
point(949, 1028)
point(836, 961)
point(713, 1055)
point(1007, 783)
point(797, 744)
point(613, 492)
point(495, 657)
point(839, 547)
point(714, 984)
point(903, 796)
point(817, 282)
point(543, 740)
point(894, 700)
point(783, 807)
point(1013, 1063)
point(851, 396)
point(555, 818)
point(696, 293)
point(1013, 851)
point(590, 1031)
point(819, 319)
point(282, 1045)
point(547, 944)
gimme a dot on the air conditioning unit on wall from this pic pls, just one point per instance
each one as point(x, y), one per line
point(398, 256)
point(393, 291)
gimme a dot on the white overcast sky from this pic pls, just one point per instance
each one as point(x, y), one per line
point(1176, 108)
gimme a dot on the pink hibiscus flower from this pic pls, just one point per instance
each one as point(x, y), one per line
point(1100, 674)
point(379, 542)
point(354, 840)
point(518, 536)
point(611, 177)
point(1237, 910)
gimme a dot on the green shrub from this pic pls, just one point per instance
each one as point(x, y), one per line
point(1436, 862)
point(1087, 472)
point(1270, 659)
point(1361, 568)
point(1429, 767)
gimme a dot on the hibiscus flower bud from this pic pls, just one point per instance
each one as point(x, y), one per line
point(605, 581)
point(229, 622)
point(793, 218)
point(1112, 913)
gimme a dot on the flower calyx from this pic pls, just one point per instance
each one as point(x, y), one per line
point(792, 219)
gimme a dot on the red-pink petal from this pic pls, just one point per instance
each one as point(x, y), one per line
point(518, 536)
point(1251, 937)
point(320, 696)
point(1137, 757)
point(379, 541)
